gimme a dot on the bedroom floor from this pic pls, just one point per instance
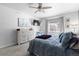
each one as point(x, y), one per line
point(18, 50)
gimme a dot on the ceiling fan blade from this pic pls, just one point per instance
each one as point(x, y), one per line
point(46, 7)
point(33, 7)
point(36, 11)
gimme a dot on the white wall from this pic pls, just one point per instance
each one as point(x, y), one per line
point(43, 26)
point(8, 25)
point(73, 16)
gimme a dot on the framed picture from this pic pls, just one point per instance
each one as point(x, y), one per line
point(22, 22)
point(36, 22)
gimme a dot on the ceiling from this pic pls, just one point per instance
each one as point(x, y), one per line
point(57, 8)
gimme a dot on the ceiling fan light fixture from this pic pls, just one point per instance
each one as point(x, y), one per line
point(40, 7)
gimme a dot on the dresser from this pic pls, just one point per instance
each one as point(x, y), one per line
point(24, 35)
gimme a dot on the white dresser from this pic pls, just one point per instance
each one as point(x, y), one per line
point(24, 35)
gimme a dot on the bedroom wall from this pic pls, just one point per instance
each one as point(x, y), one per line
point(43, 26)
point(8, 25)
point(73, 19)
point(72, 16)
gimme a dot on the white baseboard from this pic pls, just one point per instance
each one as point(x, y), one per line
point(7, 45)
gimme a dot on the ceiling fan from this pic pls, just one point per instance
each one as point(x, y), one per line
point(40, 7)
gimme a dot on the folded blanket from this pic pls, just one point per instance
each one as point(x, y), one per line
point(43, 36)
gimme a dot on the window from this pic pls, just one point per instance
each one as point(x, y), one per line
point(53, 28)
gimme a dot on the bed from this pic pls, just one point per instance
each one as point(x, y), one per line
point(52, 46)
